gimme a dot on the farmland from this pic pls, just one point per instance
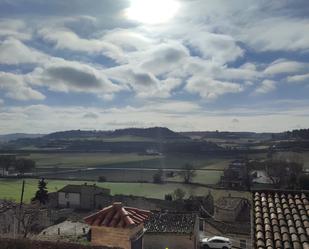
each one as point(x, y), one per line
point(11, 189)
point(124, 160)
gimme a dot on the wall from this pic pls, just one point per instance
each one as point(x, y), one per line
point(28, 244)
point(168, 240)
point(113, 236)
point(72, 198)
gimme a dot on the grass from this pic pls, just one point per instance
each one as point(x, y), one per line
point(125, 160)
point(11, 189)
point(75, 160)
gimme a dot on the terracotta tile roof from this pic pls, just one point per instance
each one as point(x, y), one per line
point(116, 215)
point(281, 220)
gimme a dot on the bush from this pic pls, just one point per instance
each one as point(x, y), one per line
point(102, 179)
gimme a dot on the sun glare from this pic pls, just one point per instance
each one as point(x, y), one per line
point(152, 11)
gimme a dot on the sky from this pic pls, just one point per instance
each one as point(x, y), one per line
point(189, 65)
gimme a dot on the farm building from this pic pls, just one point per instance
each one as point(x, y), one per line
point(118, 226)
point(236, 175)
point(79, 196)
point(172, 230)
point(228, 209)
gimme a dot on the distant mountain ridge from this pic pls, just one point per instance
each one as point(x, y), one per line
point(15, 136)
point(152, 132)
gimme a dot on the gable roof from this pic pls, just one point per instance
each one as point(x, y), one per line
point(117, 215)
point(71, 188)
point(281, 220)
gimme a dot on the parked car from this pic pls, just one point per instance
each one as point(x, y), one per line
point(216, 242)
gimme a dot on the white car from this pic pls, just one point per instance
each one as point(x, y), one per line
point(216, 242)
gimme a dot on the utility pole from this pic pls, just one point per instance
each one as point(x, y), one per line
point(20, 205)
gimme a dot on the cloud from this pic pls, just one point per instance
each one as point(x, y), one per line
point(15, 88)
point(14, 28)
point(266, 87)
point(63, 38)
point(13, 51)
point(211, 89)
point(235, 121)
point(66, 76)
point(90, 115)
point(278, 33)
point(298, 78)
point(283, 66)
point(217, 47)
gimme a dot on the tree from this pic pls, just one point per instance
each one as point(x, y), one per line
point(187, 173)
point(179, 194)
point(42, 194)
point(157, 177)
point(27, 217)
point(6, 161)
point(23, 165)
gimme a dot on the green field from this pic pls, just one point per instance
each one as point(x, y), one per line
point(125, 160)
point(11, 189)
point(74, 160)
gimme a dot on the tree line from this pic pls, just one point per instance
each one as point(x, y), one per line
point(20, 165)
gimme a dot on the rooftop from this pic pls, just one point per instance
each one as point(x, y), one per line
point(71, 188)
point(116, 215)
point(281, 220)
point(171, 223)
point(228, 202)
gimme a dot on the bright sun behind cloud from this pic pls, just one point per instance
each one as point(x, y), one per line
point(152, 11)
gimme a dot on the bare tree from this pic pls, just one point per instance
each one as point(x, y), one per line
point(188, 173)
point(27, 217)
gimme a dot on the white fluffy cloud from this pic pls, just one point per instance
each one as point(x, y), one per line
point(65, 76)
point(298, 78)
point(265, 87)
point(15, 87)
point(211, 89)
point(63, 38)
point(13, 51)
point(286, 67)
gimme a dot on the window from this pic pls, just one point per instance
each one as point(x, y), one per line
point(243, 243)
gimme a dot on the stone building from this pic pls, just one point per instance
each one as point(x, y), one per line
point(236, 175)
point(118, 226)
point(227, 209)
point(172, 230)
point(79, 196)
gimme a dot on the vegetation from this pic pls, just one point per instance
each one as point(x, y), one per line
point(21, 165)
point(188, 173)
point(42, 194)
point(178, 194)
point(157, 177)
point(11, 189)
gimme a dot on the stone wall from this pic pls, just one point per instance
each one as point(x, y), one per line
point(168, 240)
point(32, 244)
point(113, 236)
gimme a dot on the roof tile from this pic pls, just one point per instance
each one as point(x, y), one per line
point(281, 220)
point(118, 216)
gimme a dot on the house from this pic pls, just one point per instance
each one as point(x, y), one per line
point(79, 196)
point(231, 219)
point(236, 175)
point(172, 230)
point(118, 226)
point(281, 219)
point(227, 209)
